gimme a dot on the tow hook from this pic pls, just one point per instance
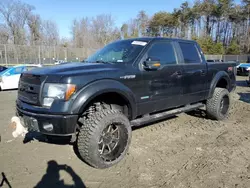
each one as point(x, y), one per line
point(73, 138)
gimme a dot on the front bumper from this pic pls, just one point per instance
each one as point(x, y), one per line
point(58, 125)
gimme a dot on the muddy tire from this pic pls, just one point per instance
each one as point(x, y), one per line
point(218, 106)
point(104, 137)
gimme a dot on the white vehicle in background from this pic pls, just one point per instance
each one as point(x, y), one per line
point(9, 78)
point(58, 62)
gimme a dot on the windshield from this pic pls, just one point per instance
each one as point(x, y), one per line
point(118, 52)
point(3, 72)
point(2, 68)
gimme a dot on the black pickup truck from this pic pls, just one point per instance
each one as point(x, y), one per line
point(127, 83)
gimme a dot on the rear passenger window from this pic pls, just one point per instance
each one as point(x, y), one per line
point(17, 70)
point(164, 52)
point(28, 68)
point(190, 52)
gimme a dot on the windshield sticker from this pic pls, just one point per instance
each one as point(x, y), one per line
point(141, 43)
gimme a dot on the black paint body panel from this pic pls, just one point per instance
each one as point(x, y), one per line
point(144, 91)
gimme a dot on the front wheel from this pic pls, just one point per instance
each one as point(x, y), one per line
point(218, 106)
point(104, 138)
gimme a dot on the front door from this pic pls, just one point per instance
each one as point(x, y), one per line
point(163, 87)
point(12, 78)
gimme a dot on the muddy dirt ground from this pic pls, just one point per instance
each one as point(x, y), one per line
point(185, 151)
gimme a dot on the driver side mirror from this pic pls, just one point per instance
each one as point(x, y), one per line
point(152, 64)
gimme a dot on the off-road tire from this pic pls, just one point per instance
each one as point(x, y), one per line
point(213, 105)
point(90, 134)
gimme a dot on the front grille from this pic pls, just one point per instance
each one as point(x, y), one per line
point(29, 88)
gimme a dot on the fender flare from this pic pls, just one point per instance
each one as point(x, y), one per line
point(220, 75)
point(94, 89)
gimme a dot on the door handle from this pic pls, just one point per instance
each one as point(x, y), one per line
point(179, 73)
point(203, 72)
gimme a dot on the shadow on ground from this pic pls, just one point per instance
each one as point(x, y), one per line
point(31, 136)
point(6, 90)
point(77, 153)
point(199, 113)
point(155, 122)
point(57, 140)
point(4, 181)
point(245, 97)
point(242, 83)
point(52, 177)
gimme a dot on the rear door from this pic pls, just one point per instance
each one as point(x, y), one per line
point(14, 77)
point(194, 80)
point(163, 87)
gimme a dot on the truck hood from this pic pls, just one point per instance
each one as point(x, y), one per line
point(73, 69)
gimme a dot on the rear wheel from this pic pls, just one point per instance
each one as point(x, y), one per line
point(104, 137)
point(218, 106)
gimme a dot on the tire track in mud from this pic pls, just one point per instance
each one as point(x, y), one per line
point(186, 130)
point(186, 151)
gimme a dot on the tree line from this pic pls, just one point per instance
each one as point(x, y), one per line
point(219, 26)
point(21, 26)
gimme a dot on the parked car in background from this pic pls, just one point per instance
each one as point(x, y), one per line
point(2, 68)
point(58, 62)
point(243, 69)
point(214, 60)
point(9, 78)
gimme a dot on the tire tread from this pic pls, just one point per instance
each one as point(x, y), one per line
point(212, 104)
point(87, 131)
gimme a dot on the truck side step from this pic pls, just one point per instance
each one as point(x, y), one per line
point(165, 114)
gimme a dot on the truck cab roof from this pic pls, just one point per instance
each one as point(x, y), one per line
point(149, 39)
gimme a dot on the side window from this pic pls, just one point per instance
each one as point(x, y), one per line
point(163, 51)
point(7, 73)
point(190, 52)
point(28, 68)
point(17, 70)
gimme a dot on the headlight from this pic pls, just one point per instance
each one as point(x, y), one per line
point(56, 91)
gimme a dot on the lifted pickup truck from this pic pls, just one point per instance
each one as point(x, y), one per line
point(127, 83)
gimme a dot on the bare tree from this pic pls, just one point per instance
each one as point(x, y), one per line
point(143, 21)
point(50, 35)
point(91, 34)
point(133, 27)
point(15, 15)
point(75, 31)
point(4, 34)
point(34, 24)
point(82, 34)
point(124, 30)
point(103, 28)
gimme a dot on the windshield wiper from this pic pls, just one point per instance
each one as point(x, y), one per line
point(84, 61)
point(104, 62)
